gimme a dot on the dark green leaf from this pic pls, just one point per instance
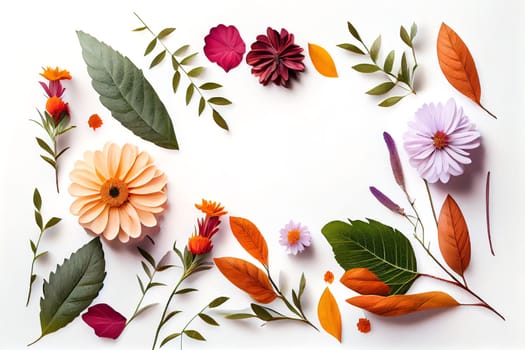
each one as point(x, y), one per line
point(146, 269)
point(33, 278)
point(302, 285)
point(163, 267)
point(41, 255)
point(37, 199)
point(189, 93)
point(404, 36)
point(141, 285)
point(33, 246)
point(61, 152)
point(186, 290)
point(217, 302)
point(165, 32)
point(126, 93)
point(239, 316)
point(353, 31)
point(375, 48)
point(366, 68)
point(195, 72)
point(208, 319)
point(147, 256)
point(210, 86)
point(139, 29)
point(377, 247)
point(181, 50)
point(44, 146)
point(176, 81)
point(413, 31)
point(177, 251)
point(174, 63)
point(150, 46)
point(38, 220)
point(389, 61)
point(170, 315)
point(168, 338)
point(187, 60)
point(52, 222)
point(390, 101)
point(381, 88)
point(405, 74)
point(351, 48)
point(296, 300)
point(219, 101)
point(158, 59)
point(49, 161)
point(261, 312)
point(219, 120)
point(72, 287)
point(202, 105)
point(155, 284)
point(193, 334)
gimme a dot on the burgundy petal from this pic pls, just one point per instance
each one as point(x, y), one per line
point(224, 46)
point(106, 322)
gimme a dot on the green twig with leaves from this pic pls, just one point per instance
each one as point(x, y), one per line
point(37, 202)
point(404, 78)
point(181, 63)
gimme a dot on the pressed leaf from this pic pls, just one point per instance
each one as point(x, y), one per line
point(372, 245)
point(388, 102)
point(146, 269)
point(389, 61)
point(187, 60)
point(247, 277)
point(49, 161)
point(453, 236)
point(170, 315)
point(37, 199)
point(155, 284)
point(105, 321)
point(44, 146)
point(239, 316)
point(150, 47)
point(261, 312)
point(397, 305)
point(364, 281)
point(144, 308)
point(168, 338)
point(381, 89)
point(219, 101)
point(175, 81)
point(405, 37)
point(195, 72)
point(38, 220)
point(139, 29)
point(374, 49)
point(193, 334)
point(165, 32)
point(147, 256)
point(329, 314)
point(219, 120)
point(351, 48)
point(202, 105)
point(210, 86)
point(52, 222)
point(72, 287)
point(124, 90)
point(186, 290)
point(208, 319)
point(33, 246)
point(181, 50)
point(405, 74)
point(217, 302)
point(366, 68)
point(159, 58)
point(250, 238)
point(322, 61)
point(141, 285)
point(413, 31)
point(353, 31)
point(40, 255)
point(189, 93)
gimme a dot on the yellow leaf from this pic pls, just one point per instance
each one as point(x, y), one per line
point(322, 61)
point(329, 314)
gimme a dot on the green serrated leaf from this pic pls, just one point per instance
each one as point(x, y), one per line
point(210, 86)
point(72, 287)
point(168, 338)
point(388, 102)
point(239, 316)
point(175, 82)
point(169, 316)
point(150, 47)
point(49, 161)
point(124, 90)
point(351, 48)
point(217, 302)
point(38, 220)
point(181, 50)
point(44, 146)
point(375, 48)
point(147, 256)
point(37, 199)
point(187, 60)
point(261, 312)
point(404, 36)
point(146, 269)
point(375, 246)
point(389, 61)
point(139, 29)
point(353, 31)
point(219, 120)
point(366, 68)
point(158, 59)
point(186, 290)
point(208, 319)
point(202, 105)
point(195, 72)
point(165, 32)
point(52, 222)
point(219, 101)
point(189, 93)
point(381, 89)
point(193, 334)
point(413, 31)
point(41, 255)
point(33, 246)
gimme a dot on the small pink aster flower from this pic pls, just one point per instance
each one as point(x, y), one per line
point(438, 141)
point(295, 237)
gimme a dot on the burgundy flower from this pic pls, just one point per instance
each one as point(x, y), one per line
point(224, 46)
point(275, 58)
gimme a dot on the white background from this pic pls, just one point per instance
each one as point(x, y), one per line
point(308, 153)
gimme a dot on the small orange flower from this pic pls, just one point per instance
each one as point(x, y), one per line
point(95, 121)
point(57, 108)
point(199, 245)
point(211, 208)
point(55, 74)
point(328, 277)
point(363, 325)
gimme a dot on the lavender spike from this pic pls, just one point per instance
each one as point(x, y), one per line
point(387, 202)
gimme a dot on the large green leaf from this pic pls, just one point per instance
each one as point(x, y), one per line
point(124, 90)
point(377, 247)
point(72, 287)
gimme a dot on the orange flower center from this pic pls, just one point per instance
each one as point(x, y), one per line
point(114, 192)
point(440, 140)
point(293, 236)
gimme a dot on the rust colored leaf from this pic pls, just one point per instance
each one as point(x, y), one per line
point(453, 236)
point(250, 238)
point(364, 281)
point(329, 314)
point(322, 61)
point(397, 305)
point(247, 277)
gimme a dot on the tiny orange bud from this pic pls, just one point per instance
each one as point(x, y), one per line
point(363, 325)
point(95, 121)
point(328, 277)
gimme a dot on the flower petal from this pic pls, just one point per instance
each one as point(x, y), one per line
point(155, 185)
point(113, 227)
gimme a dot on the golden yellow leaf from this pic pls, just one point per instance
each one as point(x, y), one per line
point(322, 61)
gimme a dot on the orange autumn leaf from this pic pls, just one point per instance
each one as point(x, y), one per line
point(364, 281)
point(250, 238)
point(397, 305)
point(247, 277)
point(322, 61)
point(329, 314)
point(453, 236)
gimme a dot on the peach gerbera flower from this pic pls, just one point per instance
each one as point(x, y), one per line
point(118, 191)
point(55, 74)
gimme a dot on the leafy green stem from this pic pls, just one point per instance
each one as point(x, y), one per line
point(190, 321)
point(136, 312)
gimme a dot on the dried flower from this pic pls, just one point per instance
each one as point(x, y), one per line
point(295, 238)
point(275, 57)
point(95, 121)
point(387, 202)
point(200, 242)
point(328, 277)
point(363, 325)
point(118, 191)
point(55, 74)
point(395, 162)
point(57, 108)
point(438, 139)
point(224, 46)
point(211, 208)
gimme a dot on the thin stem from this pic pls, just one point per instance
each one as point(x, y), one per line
point(487, 211)
point(33, 266)
point(189, 322)
point(141, 298)
point(489, 112)
point(56, 163)
point(431, 201)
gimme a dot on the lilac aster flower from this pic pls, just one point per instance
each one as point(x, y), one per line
point(438, 141)
point(295, 237)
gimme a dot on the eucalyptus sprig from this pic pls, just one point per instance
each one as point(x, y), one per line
point(181, 63)
point(404, 78)
point(37, 202)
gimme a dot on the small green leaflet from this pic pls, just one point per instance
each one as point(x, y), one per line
point(124, 90)
point(72, 287)
point(377, 247)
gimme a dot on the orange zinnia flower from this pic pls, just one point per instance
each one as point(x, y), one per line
point(211, 208)
point(199, 245)
point(55, 74)
point(95, 121)
point(363, 325)
point(57, 108)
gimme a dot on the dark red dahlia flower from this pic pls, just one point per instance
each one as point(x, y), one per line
point(275, 57)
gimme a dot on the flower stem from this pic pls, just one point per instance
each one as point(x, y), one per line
point(189, 322)
point(489, 112)
point(431, 201)
point(32, 267)
point(487, 212)
point(135, 313)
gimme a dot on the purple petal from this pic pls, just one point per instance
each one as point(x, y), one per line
point(387, 202)
point(395, 162)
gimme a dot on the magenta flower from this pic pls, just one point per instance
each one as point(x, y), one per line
point(438, 141)
point(224, 46)
point(295, 237)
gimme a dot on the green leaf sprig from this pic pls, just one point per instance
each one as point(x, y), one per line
point(404, 78)
point(37, 202)
point(194, 334)
point(181, 63)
